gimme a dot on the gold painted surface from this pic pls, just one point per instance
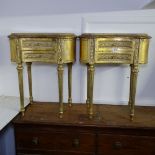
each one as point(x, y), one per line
point(143, 51)
point(30, 81)
point(69, 50)
point(70, 84)
point(84, 52)
point(58, 48)
point(13, 50)
point(43, 47)
point(113, 49)
point(116, 35)
point(45, 44)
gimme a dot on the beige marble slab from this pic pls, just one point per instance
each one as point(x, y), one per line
point(9, 108)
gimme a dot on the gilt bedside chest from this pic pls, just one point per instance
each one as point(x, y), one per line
point(56, 48)
point(113, 49)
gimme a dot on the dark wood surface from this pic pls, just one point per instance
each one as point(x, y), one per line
point(110, 132)
point(105, 115)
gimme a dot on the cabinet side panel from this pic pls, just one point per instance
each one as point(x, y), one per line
point(84, 50)
point(69, 50)
point(13, 50)
point(143, 51)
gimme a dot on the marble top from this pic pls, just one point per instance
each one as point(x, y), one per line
point(9, 108)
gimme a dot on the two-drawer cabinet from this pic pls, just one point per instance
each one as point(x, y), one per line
point(54, 140)
point(41, 132)
point(53, 48)
point(101, 48)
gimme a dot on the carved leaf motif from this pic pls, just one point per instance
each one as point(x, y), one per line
point(39, 44)
point(110, 57)
point(124, 44)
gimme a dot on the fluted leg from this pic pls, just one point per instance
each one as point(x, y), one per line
point(60, 83)
point(70, 84)
point(87, 101)
point(91, 84)
point(30, 81)
point(131, 79)
point(21, 89)
point(134, 74)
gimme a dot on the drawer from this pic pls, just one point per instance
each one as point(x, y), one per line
point(39, 50)
point(125, 58)
point(125, 144)
point(53, 140)
point(39, 56)
point(38, 152)
point(114, 50)
point(43, 44)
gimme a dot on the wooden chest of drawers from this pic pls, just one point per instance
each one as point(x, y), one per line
point(110, 132)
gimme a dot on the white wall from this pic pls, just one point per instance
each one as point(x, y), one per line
point(150, 5)
point(111, 82)
point(50, 7)
point(115, 80)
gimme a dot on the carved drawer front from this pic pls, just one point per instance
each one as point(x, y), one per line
point(39, 56)
point(114, 50)
point(38, 44)
point(39, 49)
point(30, 140)
point(125, 144)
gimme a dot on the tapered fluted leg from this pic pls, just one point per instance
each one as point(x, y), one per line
point(70, 84)
point(60, 83)
point(87, 101)
point(30, 81)
point(131, 79)
point(91, 84)
point(21, 89)
point(134, 74)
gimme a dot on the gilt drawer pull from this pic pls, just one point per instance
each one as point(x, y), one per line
point(76, 143)
point(117, 145)
point(35, 140)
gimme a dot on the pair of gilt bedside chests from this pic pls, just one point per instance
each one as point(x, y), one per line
point(60, 49)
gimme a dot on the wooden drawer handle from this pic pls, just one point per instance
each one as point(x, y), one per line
point(35, 140)
point(76, 143)
point(117, 145)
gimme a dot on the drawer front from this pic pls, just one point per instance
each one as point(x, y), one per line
point(38, 152)
point(39, 56)
point(47, 50)
point(114, 50)
point(124, 58)
point(39, 50)
point(47, 139)
point(125, 144)
point(38, 44)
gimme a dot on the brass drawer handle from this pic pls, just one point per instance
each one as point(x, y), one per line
point(117, 145)
point(35, 140)
point(76, 143)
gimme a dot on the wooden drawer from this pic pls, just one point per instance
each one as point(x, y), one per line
point(44, 47)
point(126, 58)
point(38, 152)
point(49, 140)
point(40, 56)
point(125, 144)
point(39, 50)
point(114, 50)
point(42, 44)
